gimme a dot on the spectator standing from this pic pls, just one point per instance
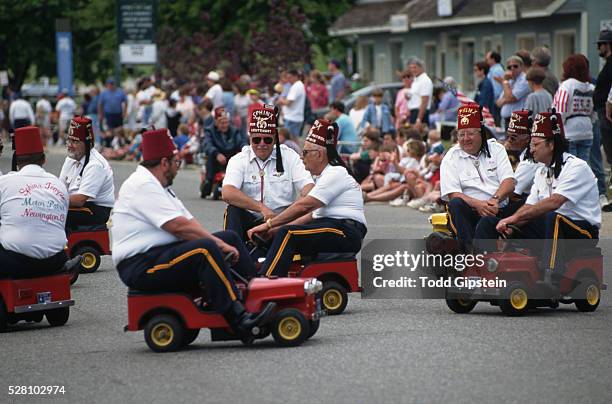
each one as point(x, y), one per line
point(317, 91)
point(185, 105)
point(43, 119)
point(539, 100)
point(484, 94)
point(293, 104)
point(525, 57)
point(378, 114)
point(21, 114)
point(215, 91)
point(540, 57)
point(158, 110)
point(66, 108)
point(602, 88)
point(92, 112)
point(496, 69)
point(112, 105)
point(227, 96)
point(173, 117)
point(574, 101)
point(241, 106)
point(347, 133)
point(420, 94)
point(449, 104)
point(356, 113)
point(143, 97)
point(515, 89)
point(401, 100)
point(337, 82)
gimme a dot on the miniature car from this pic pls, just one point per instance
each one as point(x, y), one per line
point(173, 320)
point(31, 299)
point(91, 243)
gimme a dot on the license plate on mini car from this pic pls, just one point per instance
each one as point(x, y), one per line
point(43, 297)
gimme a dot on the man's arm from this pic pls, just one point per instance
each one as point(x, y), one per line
point(528, 212)
point(234, 196)
point(191, 229)
point(78, 200)
point(423, 107)
point(506, 188)
point(296, 212)
point(306, 189)
point(509, 98)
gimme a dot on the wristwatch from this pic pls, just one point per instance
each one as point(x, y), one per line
point(495, 197)
point(269, 223)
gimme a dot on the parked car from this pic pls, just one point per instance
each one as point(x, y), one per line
point(389, 93)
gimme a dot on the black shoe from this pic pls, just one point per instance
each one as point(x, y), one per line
point(244, 323)
point(205, 188)
point(607, 208)
point(73, 265)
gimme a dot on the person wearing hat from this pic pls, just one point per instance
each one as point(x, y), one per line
point(602, 88)
point(329, 219)
point(221, 142)
point(264, 178)
point(563, 202)
point(476, 176)
point(33, 210)
point(88, 177)
point(157, 244)
point(517, 141)
point(215, 91)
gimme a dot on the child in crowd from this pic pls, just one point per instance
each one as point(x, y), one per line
point(382, 165)
point(362, 159)
point(182, 136)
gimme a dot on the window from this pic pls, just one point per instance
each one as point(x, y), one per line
point(526, 41)
point(565, 45)
point(429, 52)
point(490, 43)
point(396, 59)
point(367, 62)
point(467, 58)
point(544, 40)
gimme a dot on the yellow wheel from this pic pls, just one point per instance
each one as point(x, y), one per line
point(91, 259)
point(334, 297)
point(164, 333)
point(588, 294)
point(516, 302)
point(290, 327)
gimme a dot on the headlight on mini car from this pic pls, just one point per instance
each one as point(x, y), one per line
point(492, 265)
point(318, 286)
point(309, 286)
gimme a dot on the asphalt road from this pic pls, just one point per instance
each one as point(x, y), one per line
point(379, 351)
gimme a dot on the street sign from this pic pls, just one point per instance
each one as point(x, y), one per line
point(138, 53)
point(136, 31)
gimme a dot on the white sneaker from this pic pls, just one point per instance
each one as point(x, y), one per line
point(417, 203)
point(397, 202)
point(429, 208)
point(603, 200)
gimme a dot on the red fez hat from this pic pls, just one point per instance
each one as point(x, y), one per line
point(547, 125)
point(220, 112)
point(157, 144)
point(262, 120)
point(323, 133)
point(81, 129)
point(469, 116)
point(519, 123)
point(27, 141)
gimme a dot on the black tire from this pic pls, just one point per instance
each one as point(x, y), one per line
point(516, 300)
point(461, 305)
point(74, 277)
point(290, 328)
point(314, 327)
point(588, 294)
point(334, 297)
point(3, 315)
point(164, 333)
point(58, 317)
point(91, 259)
point(191, 335)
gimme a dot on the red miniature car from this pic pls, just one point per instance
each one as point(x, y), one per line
point(91, 243)
point(581, 284)
point(338, 273)
point(31, 299)
point(173, 320)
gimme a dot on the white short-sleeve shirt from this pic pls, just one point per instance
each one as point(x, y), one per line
point(280, 191)
point(33, 209)
point(524, 173)
point(577, 183)
point(422, 86)
point(215, 94)
point(479, 176)
point(96, 182)
point(295, 111)
point(142, 208)
point(340, 194)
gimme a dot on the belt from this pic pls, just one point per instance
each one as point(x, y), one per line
point(360, 226)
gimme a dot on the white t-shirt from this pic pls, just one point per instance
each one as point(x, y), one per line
point(356, 116)
point(97, 180)
point(574, 101)
point(279, 191)
point(421, 87)
point(295, 111)
point(143, 207)
point(524, 173)
point(66, 108)
point(215, 94)
point(340, 194)
point(21, 109)
point(158, 114)
point(477, 177)
point(33, 210)
point(43, 112)
point(577, 183)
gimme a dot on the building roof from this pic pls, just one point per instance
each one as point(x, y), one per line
point(375, 17)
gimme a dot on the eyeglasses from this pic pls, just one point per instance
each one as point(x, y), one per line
point(72, 141)
point(176, 162)
point(258, 139)
point(512, 67)
point(305, 152)
point(467, 134)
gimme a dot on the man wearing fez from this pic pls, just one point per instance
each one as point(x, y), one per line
point(264, 178)
point(517, 141)
point(329, 219)
point(159, 246)
point(88, 177)
point(33, 209)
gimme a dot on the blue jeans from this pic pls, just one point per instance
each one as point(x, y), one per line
point(581, 148)
point(295, 128)
point(595, 160)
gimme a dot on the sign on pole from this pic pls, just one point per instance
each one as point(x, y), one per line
point(136, 31)
point(63, 45)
